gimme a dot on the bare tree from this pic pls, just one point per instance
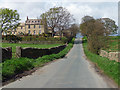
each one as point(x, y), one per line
point(57, 18)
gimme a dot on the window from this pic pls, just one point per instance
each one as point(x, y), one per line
point(34, 26)
point(39, 31)
point(28, 26)
point(34, 32)
point(39, 26)
point(28, 31)
point(21, 27)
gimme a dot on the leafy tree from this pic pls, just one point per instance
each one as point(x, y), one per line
point(57, 18)
point(109, 25)
point(87, 18)
point(84, 28)
point(9, 19)
point(96, 34)
point(74, 29)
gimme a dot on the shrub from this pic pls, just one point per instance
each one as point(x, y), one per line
point(12, 38)
point(15, 66)
point(95, 43)
point(38, 38)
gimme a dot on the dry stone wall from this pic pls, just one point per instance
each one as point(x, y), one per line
point(110, 55)
point(36, 52)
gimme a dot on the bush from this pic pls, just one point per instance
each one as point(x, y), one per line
point(38, 38)
point(15, 66)
point(11, 38)
point(95, 43)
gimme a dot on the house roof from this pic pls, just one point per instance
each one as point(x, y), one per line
point(33, 21)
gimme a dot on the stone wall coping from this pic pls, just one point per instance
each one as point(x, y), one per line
point(41, 48)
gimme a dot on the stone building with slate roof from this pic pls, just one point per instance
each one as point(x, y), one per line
point(31, 26)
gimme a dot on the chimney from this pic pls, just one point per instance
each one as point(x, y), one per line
point(27, 17)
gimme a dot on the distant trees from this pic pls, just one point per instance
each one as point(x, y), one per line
point(57, 18)
point(87, 18)
point(109, 24)
point(9, 19)
point(74, 29)
point(96, 34)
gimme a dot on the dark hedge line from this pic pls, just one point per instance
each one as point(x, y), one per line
point(14, 39)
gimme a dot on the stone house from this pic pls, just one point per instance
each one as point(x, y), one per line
point(31, 27)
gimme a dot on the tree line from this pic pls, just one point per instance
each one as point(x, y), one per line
point(56, 18)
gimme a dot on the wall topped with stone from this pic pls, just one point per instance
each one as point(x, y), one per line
point(110, 55)
point(6, 53)
point(36, 52)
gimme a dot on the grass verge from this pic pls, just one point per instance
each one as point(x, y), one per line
point(12, 67)
point(109, 67)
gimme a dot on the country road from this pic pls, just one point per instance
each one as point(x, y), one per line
point(73, 71)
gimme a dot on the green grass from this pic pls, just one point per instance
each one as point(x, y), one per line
point(13, 45)
point(113, 44)
point(109, 67)
point(15, 66)
point(12, 67)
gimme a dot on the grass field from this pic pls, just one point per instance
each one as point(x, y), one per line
point(110, 68)
point(13, 45)
point(113, 44)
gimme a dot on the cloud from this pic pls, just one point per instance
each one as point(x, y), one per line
point(59, 1)
point(97, 10)
point(77, 8)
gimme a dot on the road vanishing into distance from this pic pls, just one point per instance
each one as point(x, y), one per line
point(72, 71)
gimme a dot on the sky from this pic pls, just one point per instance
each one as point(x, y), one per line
point(78, 8)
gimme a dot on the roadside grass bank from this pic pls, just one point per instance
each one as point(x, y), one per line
point(109, 67)
point(13, 45)
point(113, 44)
point(10, 68)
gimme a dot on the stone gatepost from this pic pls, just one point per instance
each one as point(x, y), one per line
point(18, 51)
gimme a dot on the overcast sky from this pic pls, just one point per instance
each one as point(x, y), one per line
point(78, 8)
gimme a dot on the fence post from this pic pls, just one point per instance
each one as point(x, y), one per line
point(18, 51)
